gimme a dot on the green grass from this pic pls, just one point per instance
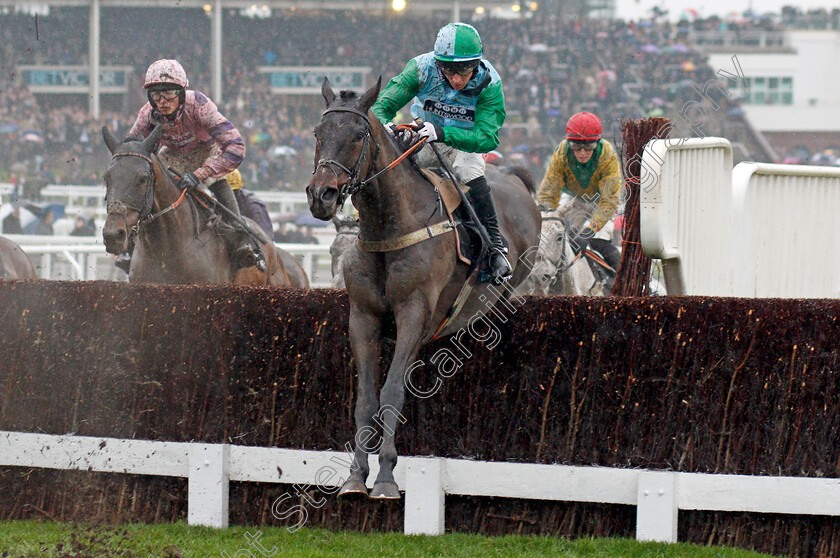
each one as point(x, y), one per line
point(19, 539)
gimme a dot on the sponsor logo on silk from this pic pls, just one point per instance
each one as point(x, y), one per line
point(453, 112)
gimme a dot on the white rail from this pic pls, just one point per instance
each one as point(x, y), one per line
point(84, 258)
point(209, 468)
point(686, 213)
point(786, 228)
point(83, 199)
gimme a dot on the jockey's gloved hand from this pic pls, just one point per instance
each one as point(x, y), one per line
point(580, 242)
point(543, 208)
point(189, 181)
point(391, 127)
point(406, 138)
point(429, 130)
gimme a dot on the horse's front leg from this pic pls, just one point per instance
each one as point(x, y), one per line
point(411, 319)
point(365, 329)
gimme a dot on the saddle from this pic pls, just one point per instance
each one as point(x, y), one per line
point(469, 241)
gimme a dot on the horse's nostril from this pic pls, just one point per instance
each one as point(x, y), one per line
point(329, 196)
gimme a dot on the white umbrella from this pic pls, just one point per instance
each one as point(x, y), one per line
point(26, 216)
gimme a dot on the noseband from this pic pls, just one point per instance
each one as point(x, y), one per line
point(353, 183)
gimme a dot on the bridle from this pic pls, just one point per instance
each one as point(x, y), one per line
point(145, 212)
point(561, 267)
point(353, 183)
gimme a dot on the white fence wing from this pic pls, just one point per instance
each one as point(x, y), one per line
point(686, 209)
point(785, 229)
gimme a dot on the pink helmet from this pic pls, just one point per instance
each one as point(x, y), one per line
point(166, 72)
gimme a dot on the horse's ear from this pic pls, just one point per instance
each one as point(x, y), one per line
point(327, 91)
point(110, 141)
point(370, 95)
point(150, 143)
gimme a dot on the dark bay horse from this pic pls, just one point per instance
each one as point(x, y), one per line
point(413, 286)
point(175, 243)
point(15, 262)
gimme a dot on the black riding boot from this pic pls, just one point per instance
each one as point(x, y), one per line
point(486, 211)
point(241, 253)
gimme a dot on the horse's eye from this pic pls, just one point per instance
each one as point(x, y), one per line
point(560, 239)
point(360, 136)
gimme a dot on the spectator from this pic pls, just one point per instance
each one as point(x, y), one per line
point(45, 224)
point(83, 227)
point(11, 223)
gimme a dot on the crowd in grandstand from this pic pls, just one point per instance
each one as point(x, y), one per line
point(551, 68)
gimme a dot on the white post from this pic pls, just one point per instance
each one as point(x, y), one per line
point(424, 497)
point(309, 265)
point(208, 485)
point(657, 507)
point(216, 53)
point(93, 59)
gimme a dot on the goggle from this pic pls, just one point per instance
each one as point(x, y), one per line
point(582, 145)
point(463, 69)
point(165, 95)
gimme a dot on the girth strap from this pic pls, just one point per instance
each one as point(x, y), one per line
point(407, 240)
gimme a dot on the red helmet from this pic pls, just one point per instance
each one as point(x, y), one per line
point(491, 156)
point(584, 126)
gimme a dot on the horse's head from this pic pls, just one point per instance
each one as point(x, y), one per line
point(129, 183)
point(342, 144)
point(550, 257)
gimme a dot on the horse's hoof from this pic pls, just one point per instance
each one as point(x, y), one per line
point(353, 490)
point(385, 491)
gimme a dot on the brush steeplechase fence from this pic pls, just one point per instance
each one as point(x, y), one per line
point(426, 481)
point(713, 387)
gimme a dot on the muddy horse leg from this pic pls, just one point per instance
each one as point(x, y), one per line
point(411, 318)
point(365, 330)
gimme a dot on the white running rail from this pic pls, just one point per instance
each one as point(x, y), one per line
point(84, 258)
point(209, 468)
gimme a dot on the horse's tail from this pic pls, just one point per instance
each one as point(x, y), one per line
point(520, 172)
